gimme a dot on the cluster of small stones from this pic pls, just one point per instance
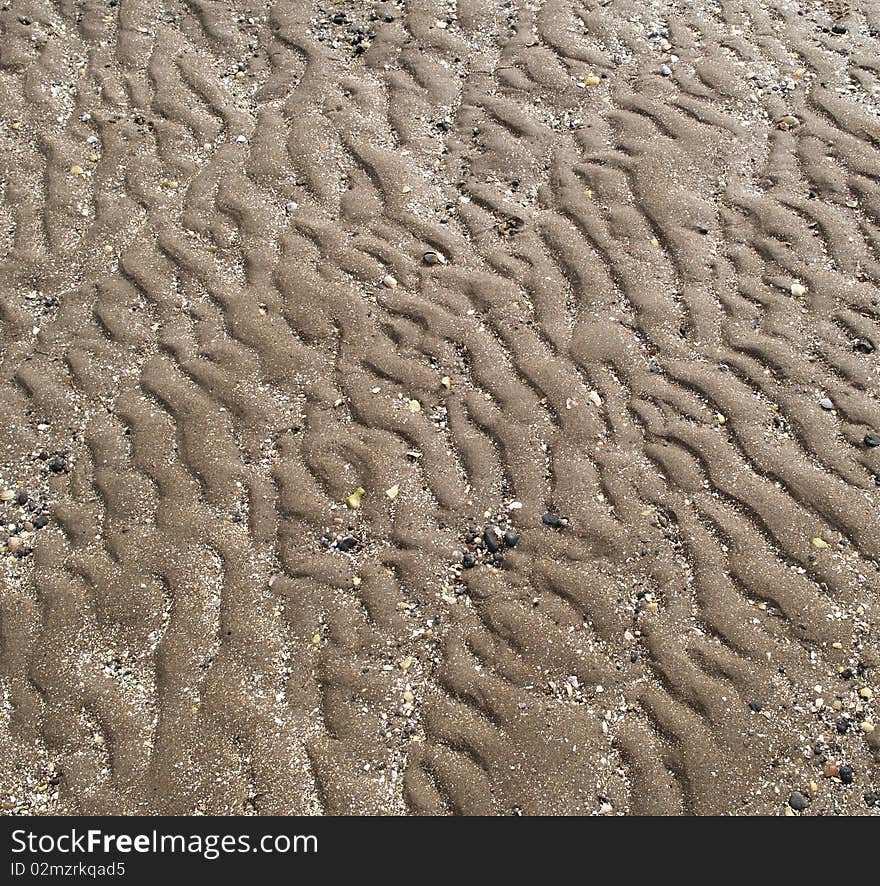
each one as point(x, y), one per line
point(21, 515)
point(341, 540)
point(487, 545)
point(38, 796)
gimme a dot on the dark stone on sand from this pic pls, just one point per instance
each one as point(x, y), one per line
point(493, 543)
point(872, 439)
point(871, 800)
point(511, 537)
point(22, 498)
point(842, 726)
point(845, 774)
point(346, 543)
point(468, 561)
point(58, 465)
point(756, 706)
point(41, 521)
point(551, 519)
point(838, 29)
point(798, 801)
point(863, 346)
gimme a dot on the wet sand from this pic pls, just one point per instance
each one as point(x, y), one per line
point(440, 408)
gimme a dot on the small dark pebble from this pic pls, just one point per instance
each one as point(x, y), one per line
point(346, 543)
point(838, 29)
point(842, 726)
point(511, 537)
point(872, 439)
point(756, 706)
point(798, 801)
point(863, 346)
point(58, 465)
point(22, 498)
point(490, 537)
point(550, 519)
point(871, 800)
point(845, 774)
point(468, 561)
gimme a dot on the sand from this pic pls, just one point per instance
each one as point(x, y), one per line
point(600, 274)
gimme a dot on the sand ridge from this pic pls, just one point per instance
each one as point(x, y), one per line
point(610, 261)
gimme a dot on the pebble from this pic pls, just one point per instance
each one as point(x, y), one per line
point(552, 520)
point(863, 346)
point(798, 290)
point(393, 492)
point(511, 537)
point(798, 801)
point(825, 403)
point(665, 70)
point(490, 537)
point(845, 774)
point(389, 281)
point(872, 439)
point(788, 121)
point(346, 543)
point(434, 258)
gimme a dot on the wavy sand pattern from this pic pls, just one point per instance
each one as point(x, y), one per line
point(656, 319)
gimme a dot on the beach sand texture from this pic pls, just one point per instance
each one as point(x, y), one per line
point(440, 408)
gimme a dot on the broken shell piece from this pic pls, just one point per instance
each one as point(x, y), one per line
point(393, 492)
point(415, 406)
point(446, 381)
point(798, 290)
point(434, 258)
point(595, 399)
point(389, 281)
point(354, 500)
